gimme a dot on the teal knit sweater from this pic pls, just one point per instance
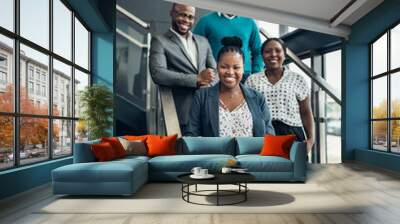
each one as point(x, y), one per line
point(215, 27)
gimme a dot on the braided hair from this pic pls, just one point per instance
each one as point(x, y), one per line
point(231, 44)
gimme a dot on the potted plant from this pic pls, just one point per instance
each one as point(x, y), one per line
point(96, 102)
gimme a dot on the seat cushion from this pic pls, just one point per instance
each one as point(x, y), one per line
point(257, 163)
point(208, 145)
point(249, 145)
point(111, 171)
point(185, 163)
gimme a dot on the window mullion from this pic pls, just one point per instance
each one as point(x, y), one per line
point(50, 80)
point(389, 106)
point(73, 81)
point(16, 84)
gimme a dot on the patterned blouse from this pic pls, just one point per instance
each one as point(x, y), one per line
point(282, 97)
point(235, 123)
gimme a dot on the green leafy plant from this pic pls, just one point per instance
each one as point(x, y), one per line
point(96, 102)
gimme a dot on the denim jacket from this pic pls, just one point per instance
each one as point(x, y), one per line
point(204, 115)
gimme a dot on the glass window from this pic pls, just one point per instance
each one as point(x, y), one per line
point(37, 89)
point(6, 142)
point(81, 45)
point(62, 72)
point(3, 78)
point(379, 98)
point(62, 138)
point(81, 131)
point(7, 14)
point(395, 136)
point(81, 81)
point(384, 123)
point(37, 75)
point(33, 139)
point(395, 47)
point(272, 29)
point(40, 62)
point(62, 29)
point(333, 72)
point(3, 61)
point(35, 21)
point(43, 90)
point(30, 72)
point(395, 95)
point(379, 56)
point(379, 135)
point(30, 87)
point(34, 78)
point(6, 73)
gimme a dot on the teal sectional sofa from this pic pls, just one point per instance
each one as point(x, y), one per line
point(125, 176)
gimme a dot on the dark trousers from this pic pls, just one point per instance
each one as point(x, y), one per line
point(284, 129)
point(183, 129)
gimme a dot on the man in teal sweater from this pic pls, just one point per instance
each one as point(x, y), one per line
point(216, 26)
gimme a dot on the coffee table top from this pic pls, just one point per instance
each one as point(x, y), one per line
point(220, 178)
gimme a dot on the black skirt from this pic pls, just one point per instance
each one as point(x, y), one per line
point(284, 129)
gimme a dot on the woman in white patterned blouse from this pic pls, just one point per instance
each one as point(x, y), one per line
point(286, 92)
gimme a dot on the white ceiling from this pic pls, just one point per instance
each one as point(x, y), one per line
point(315, 15)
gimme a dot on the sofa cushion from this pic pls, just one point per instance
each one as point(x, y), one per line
point(208, 145)
point(103, 152)
point(277, 145)
point(116, 145)
point(249, 145)
point(161, 145)
point(257, 163)
point(185, 163)
point(111, 171)
point(135, 147)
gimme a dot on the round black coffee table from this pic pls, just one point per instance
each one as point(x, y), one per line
point(238, 179)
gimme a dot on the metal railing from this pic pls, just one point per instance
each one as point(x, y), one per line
point(161, 116)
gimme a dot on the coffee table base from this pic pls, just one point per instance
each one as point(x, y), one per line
point(241, 191)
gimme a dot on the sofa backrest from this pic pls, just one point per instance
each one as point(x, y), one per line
point(83, 153)
point(208, 145)
point(249, 145)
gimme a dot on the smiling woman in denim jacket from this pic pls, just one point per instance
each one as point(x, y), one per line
point(229, 108)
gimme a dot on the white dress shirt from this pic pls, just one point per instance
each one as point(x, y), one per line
point(189, 45)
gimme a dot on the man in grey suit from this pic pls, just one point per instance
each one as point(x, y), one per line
point(181, 60)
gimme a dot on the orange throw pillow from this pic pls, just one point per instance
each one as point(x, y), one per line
point(161, 145)
point(135, 138)
point(103, 151)
point(116, 145)
point(277, 145)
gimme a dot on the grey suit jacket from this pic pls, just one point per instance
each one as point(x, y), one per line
point(170, 66)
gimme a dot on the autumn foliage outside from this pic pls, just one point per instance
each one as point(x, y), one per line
point(33, 131)
point(380, 128)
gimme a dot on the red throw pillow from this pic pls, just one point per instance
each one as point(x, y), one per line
point(277, 145)
point(116, 145)
point(161, 145)
point(103, 151)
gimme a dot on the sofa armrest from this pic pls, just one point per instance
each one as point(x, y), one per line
point(298, 157)
point(83, 152)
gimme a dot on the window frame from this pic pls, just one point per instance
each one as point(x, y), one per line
point(388, 74)
point(16, 114)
